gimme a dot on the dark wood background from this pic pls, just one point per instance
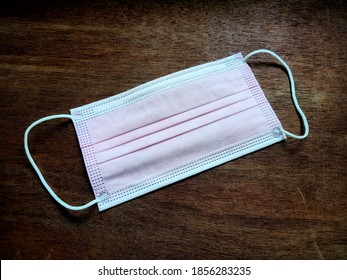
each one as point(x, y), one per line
point(284, 202)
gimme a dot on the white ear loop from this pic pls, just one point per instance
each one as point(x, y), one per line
point(292, 87)
point(49, 189)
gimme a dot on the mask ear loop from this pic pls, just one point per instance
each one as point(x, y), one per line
point(292, 87)
point(49, 189)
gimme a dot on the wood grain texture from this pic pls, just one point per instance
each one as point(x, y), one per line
point(284, 202)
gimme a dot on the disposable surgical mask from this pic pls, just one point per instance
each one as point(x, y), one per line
point(171, 128)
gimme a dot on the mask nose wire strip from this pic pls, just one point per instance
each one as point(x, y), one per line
point(49, 189)
point(292, 87)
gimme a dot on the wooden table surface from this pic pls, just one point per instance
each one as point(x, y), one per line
point(287, 201)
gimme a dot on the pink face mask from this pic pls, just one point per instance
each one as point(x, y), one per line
point(172, 128)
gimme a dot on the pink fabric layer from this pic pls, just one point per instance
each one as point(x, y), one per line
point(176, 126)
